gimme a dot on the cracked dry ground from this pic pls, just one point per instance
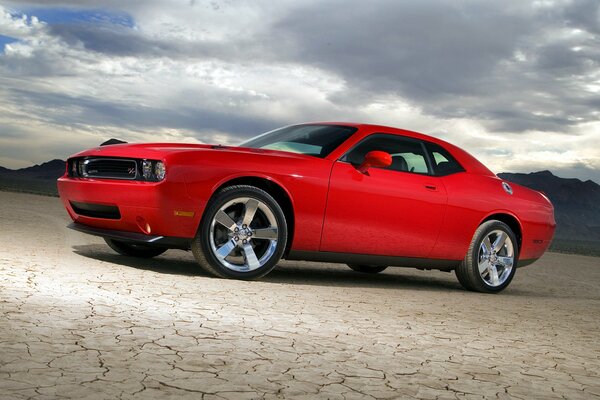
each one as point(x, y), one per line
point(78, 321)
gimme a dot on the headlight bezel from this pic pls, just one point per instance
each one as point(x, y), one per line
point(160, 170)
point(147, 168)
point(153, 170)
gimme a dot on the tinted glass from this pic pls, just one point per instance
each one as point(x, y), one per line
point(443, 162)
point(314, 140)
point(407, 155)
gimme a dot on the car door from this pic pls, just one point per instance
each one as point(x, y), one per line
point(393, 211)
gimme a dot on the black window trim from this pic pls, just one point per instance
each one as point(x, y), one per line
point(428, 146)
point(428, 162)
point(426, 150)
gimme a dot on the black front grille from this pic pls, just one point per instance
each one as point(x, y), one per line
point(96, 210)
point(112, 168)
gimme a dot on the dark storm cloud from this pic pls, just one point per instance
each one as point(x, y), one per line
point(91, 111)
point(465, 67)
point(451, 59)
point(454, 59)
point(517, 120)
point(583, 14)
point(110, 39)
point(117, 39)
point(114, 40)
point(506, 64)
point(421, 49)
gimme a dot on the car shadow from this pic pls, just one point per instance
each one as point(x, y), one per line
point(287, 272)
point(304, 273)
point(161, 264)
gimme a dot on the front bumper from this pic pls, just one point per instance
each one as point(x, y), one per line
point(151, 209)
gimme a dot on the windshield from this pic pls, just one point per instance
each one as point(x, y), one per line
point(313, 140)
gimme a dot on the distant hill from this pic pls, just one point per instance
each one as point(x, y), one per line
point(38, 179)
point(48, 170)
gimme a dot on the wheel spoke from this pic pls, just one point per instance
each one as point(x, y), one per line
point(232, 234)
point(499, 242)
point(265, 233)
point(251, 259)
point(506, 262)
point(250, 209)
point(224, 250)
point(487, 246)
point(222, 218)
point(483, 266)
point(494, 275)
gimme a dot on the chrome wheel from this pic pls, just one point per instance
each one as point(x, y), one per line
point(491, 260)
point(243, 234)
point(496, 258)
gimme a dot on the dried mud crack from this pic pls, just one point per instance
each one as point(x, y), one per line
point(79, 322)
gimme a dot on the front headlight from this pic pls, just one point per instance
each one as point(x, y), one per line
point(147, 170)
point(160, 171)
point(153, 170)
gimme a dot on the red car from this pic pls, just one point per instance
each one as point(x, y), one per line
point(365, 195)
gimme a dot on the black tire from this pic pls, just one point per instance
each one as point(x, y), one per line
point(134, 250)
point(468, 271)
point(201, 245)
point(367, 269)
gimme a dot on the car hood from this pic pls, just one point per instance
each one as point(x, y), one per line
point(163, 150)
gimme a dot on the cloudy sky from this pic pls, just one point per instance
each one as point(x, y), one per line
point(515, 83)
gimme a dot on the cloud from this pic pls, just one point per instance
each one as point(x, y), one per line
point(509, 65)
point(504, 80)
point(84, 110)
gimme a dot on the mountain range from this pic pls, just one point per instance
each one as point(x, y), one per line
point(38, 179)
point(576, 202)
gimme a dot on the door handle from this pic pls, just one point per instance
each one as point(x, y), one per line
point(431, 187)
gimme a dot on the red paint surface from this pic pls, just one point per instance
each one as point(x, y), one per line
point(336, 207)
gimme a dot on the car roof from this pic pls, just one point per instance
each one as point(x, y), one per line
point(463, 157)
point(376, 127)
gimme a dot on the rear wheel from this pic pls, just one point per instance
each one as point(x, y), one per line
point(367, 269)
point(491, 260)
point(242, 235)
point(134, 250)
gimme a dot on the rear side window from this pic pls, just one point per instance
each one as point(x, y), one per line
point(407, 155)
point(443, 162)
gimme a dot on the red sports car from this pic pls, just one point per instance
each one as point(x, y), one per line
point(365, 195)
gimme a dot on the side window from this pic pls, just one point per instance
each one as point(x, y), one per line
point(415, 162)
point(408, 155)
point(443, 162)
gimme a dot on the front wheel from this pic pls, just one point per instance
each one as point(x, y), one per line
point(367, 269)
point(134, 250)
point(491, 260)
point(242, 235)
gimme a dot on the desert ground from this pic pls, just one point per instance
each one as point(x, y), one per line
point(78, 321)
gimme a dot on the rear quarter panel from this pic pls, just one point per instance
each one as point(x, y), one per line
point(473, 198)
